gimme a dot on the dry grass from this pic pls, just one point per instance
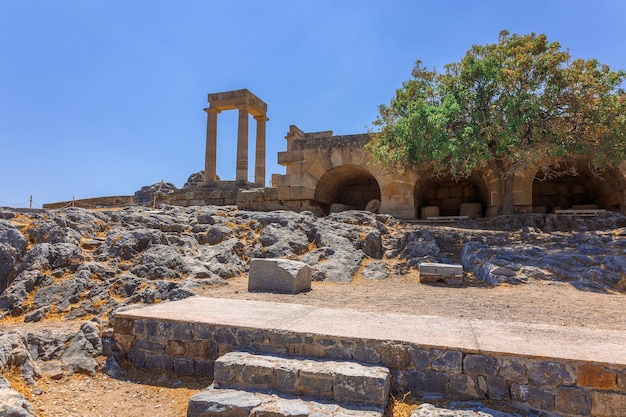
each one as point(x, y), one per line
point(621, 284)
point(14, 376)
point(401, 407)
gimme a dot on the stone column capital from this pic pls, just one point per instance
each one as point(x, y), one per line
point(262, 118)
point(212, 110)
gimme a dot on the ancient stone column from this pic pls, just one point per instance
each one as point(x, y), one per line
point(210, 161)
point(259, 163)
point(242, 145)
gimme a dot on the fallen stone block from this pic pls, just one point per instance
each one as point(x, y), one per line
point(279, 276)
point(429, 211)
point(433, 272)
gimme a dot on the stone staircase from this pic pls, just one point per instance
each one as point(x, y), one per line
point(253, 385)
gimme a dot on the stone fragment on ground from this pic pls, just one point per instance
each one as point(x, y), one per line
point(279, 276)
point(434, 272)
point(475, 410)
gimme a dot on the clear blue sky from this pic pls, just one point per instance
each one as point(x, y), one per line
point(102, 97)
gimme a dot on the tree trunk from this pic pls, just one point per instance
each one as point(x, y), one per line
point(506, 193)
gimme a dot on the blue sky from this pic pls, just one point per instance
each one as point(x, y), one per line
point(102, 97)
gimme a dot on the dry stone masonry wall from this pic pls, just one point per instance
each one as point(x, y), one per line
point(540, 386)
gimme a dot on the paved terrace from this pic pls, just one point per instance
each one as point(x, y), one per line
point(523, 339)
point(567, 370)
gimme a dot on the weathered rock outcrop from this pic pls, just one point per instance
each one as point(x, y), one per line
point(76, 264)
point(52, 353)
point(144, 195)
point(83, 263)
point(12, 403)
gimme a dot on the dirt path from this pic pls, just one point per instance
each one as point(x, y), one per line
point(534, 302)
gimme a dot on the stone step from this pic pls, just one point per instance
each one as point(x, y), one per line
point(339, 381)
point(216, 402)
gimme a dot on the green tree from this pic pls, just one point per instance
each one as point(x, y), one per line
point(519, 104)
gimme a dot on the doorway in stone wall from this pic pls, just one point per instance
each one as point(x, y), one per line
point(584, 190)
point(346, 187)
point(445, 196)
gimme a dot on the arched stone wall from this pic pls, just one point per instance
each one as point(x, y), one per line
point(348, 185)
point(608, 191)
point(320, 166)
point(449, 194)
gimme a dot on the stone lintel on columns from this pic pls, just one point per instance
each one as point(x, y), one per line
point(230, 100)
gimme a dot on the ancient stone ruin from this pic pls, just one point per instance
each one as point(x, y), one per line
point(327, 173)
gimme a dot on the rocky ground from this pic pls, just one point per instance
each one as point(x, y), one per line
point(64, 273)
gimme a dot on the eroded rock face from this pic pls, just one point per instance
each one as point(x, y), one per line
point(12, 247)
point(144, 195)
point(81, 263)
point(12, 403)
point(51, 353)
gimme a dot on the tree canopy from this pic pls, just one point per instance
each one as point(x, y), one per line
point(519, 104)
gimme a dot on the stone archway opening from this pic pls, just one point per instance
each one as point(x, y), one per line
point(346, 187)
point(582, 191)
point(446, 196)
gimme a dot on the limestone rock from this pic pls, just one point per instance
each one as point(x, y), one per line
point(196, 178)
point(333, 265)
point(433, 272)
point(373, 206)
point(376, 271)
point(12, 247)
point(159, 261)
point(144, 195)
point(13, 403)
point(216, 234)
point(467, 410)
point(279, 275)
point(82, 350)
point(73, 260)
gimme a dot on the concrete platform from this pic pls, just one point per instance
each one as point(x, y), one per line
point(522, 339)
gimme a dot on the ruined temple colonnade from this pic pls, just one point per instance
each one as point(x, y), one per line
point(247, 103)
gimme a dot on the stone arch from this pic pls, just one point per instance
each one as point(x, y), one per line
point(349, 185)
point(583, 190)
point(453, 197)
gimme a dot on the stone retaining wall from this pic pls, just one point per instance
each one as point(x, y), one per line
point(254, 199)
point(199, 197)
point(112, 201)
point(546, 386)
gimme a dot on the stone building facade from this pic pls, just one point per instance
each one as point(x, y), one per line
point(323, 169)
point(326, 173)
